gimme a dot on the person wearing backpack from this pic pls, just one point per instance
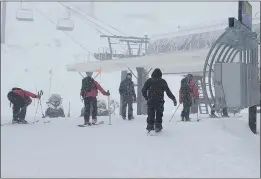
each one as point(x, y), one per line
point(153, 92)
point(20, 99)
point(89, 92)
point(187, 93)
point(128, 95)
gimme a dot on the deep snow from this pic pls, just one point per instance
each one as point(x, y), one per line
point(210, 148)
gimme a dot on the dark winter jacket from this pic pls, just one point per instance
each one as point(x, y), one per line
point(24, 93)
point(127, 88)
point(154, 87)
point(94, 91)
point(193, 91)
point(25, 96)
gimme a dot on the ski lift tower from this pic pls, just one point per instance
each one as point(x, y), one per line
point(24, 14)
point(66, 24)
point(134, 49)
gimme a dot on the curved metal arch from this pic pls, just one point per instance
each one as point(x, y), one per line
point(223, 46)
point(211, 64)
point(228, 50)
point(215, 46)
point(233, 57)
point(229, 56)
point(222, 51)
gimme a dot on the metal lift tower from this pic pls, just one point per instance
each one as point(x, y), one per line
point(132, 43)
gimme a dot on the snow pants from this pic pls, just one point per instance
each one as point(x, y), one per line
point(19, 106)
point(90, 103)
point(186, 110)
point(127, 100)
point(155, 115)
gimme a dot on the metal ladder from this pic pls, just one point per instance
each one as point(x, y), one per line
point(203, 106)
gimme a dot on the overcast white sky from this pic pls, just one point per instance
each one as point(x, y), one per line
point(135, 19)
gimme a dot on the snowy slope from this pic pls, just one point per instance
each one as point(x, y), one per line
point(210, 148)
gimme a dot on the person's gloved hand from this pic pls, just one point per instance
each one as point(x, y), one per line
point(175, 102)
point(108, 93)
point(134, 99)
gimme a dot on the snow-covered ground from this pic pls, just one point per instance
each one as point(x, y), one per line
point(209, 148)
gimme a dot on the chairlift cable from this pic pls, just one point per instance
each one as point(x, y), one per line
point(21, 5)
point(87, 19)
point(50, 20)
point(98, 19)
point(90, 24)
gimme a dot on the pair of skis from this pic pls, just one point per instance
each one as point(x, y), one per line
point(101, 122)
point(88, 125)
point(189, 120)
point(29, 123)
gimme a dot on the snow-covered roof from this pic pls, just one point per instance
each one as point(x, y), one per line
point(196, 39)
point(179, 54)
point(177, 62)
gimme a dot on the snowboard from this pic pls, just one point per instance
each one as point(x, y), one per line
point(82, 125)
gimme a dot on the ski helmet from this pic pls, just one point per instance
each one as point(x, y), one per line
point(89, 74)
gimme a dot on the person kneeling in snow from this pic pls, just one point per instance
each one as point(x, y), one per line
point(20, 100)
point(89, 92)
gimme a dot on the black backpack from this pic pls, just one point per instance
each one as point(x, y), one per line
point(185, 91)
point(16, 88)
point(87, 84)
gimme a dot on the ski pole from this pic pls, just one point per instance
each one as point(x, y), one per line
point(109, 109)
point(36, 111)
point(39, 94)
point(198, 115)
point(174, 113)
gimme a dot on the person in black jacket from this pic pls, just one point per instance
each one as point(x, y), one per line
point(128, 95)
point(153, 92)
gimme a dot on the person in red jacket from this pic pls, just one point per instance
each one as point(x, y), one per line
point(89, 92)
point(20, 99)
point(187, 94)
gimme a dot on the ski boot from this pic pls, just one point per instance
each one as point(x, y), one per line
point(15, 121)
point(187, 119)
point(22, 121)
point(94, 121)
point(213, 115)
point(225, 115)
point(124, 118)
point(158, 127)
point(149, 128)
point(87, 123)
point(131, 117)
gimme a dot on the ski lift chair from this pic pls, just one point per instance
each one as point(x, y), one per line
point(65, 24)
point(24, 15)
